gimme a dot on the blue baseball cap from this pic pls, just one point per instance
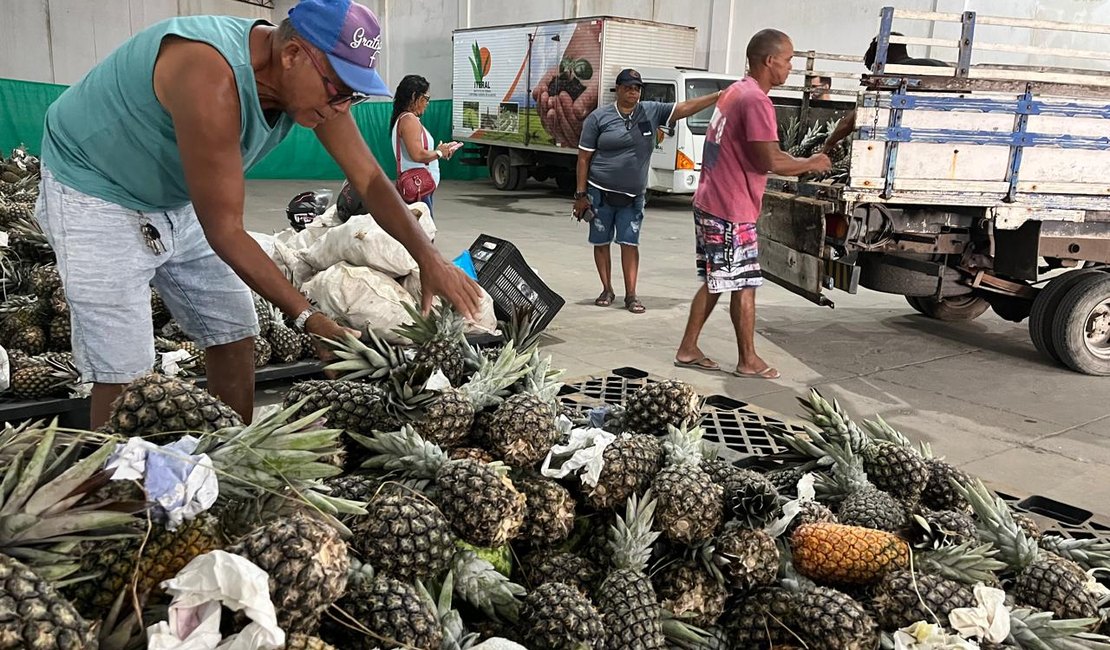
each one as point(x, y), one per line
point(351, 37)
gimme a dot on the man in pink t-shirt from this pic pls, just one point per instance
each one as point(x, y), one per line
point(741, 148)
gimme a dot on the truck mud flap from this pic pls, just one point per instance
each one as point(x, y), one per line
point(792, 247)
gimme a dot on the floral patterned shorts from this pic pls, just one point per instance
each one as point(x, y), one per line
point(727, 253)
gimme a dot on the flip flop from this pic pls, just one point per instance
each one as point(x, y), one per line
point(766, 373)
point(698, 364)
point(605, 299)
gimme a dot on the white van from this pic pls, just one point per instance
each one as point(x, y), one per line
point(676, 163)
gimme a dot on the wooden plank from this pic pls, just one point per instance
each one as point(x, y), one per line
point(939, 16)
point(1002, 73)
point(1004, 21)
point(1041, 51)
point(947, 195)
point(928, 42)
point(1089, 189)
point(932, 161)
point(953, 120)
point(797, 222)
point(793, 267)
point(920, 82)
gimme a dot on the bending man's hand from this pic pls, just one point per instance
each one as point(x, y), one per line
point(442, 278)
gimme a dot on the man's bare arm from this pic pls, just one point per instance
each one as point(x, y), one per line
point(771, 159)
point(195, 85)
point(844, 127)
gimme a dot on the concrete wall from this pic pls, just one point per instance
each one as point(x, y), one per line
point(57, 40)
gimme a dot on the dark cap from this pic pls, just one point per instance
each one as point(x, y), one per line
point(629, 77)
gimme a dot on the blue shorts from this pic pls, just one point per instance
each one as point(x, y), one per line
point(107, 270)
point(613, 223)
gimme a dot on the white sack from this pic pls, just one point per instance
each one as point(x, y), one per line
point(362, 242)
point(360, 298)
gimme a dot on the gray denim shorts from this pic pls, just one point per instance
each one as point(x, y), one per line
point(107, 270)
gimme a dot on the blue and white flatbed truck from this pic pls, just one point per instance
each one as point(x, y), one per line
point(973, 187)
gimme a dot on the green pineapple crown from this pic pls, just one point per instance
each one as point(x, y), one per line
point(848, 474)
point(540, 379)
point(996, 525)
point(274, 453)
point(970, 563)
point(631, 536)
point(683, 445)
point(404, 451)
point(43, 513)
point(483, 586)
point(360, 361)
point(834, 421)
point(442, 322)
point(490, 382)
point(1091, 553)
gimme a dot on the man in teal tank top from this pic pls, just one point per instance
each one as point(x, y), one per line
point(143, 184)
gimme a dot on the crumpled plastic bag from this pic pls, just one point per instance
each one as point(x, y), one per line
point(793, 508)
point(181, 484)
point(198, 591)
point(362, 242)
point(584, 450)
point(927, 636)
point(5, 370)
point(169, 361)
point(989, 620)
point(497, 643)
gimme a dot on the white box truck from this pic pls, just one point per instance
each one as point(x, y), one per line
point(522, 91)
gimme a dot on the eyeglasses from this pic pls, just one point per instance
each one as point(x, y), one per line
point(426, 97)
point(337, 98)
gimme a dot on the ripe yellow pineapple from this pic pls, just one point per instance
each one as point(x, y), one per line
point(839, 554)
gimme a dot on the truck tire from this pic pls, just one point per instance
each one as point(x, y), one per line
point(521, 178)
point(1044, 310)
point(1081, 327)
point(952, 308)
point(879, 273)
point(505, 177)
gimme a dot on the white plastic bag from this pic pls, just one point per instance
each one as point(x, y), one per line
point(362, 242)
point(487, 319)
point(361, 298)
point(5, 370)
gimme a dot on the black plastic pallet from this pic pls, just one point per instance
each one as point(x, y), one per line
point(743, 431)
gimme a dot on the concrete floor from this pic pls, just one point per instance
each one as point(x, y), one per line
point(978, 391)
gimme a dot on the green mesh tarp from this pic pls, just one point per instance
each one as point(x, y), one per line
point(23, 105)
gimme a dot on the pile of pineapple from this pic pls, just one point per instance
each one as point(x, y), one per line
point(804, 143)
point(34, 314)
point(438, 496)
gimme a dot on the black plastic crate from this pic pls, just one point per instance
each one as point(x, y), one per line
point(508, 279)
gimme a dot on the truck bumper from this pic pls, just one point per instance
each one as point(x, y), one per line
point(675, 181)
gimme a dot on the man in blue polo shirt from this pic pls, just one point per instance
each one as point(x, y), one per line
point(614, 155)
point(143, 182)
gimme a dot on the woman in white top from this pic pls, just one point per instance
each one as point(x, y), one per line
point(412, 142)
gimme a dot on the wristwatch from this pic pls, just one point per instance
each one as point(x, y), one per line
point(579, 195)
point(302, 318)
